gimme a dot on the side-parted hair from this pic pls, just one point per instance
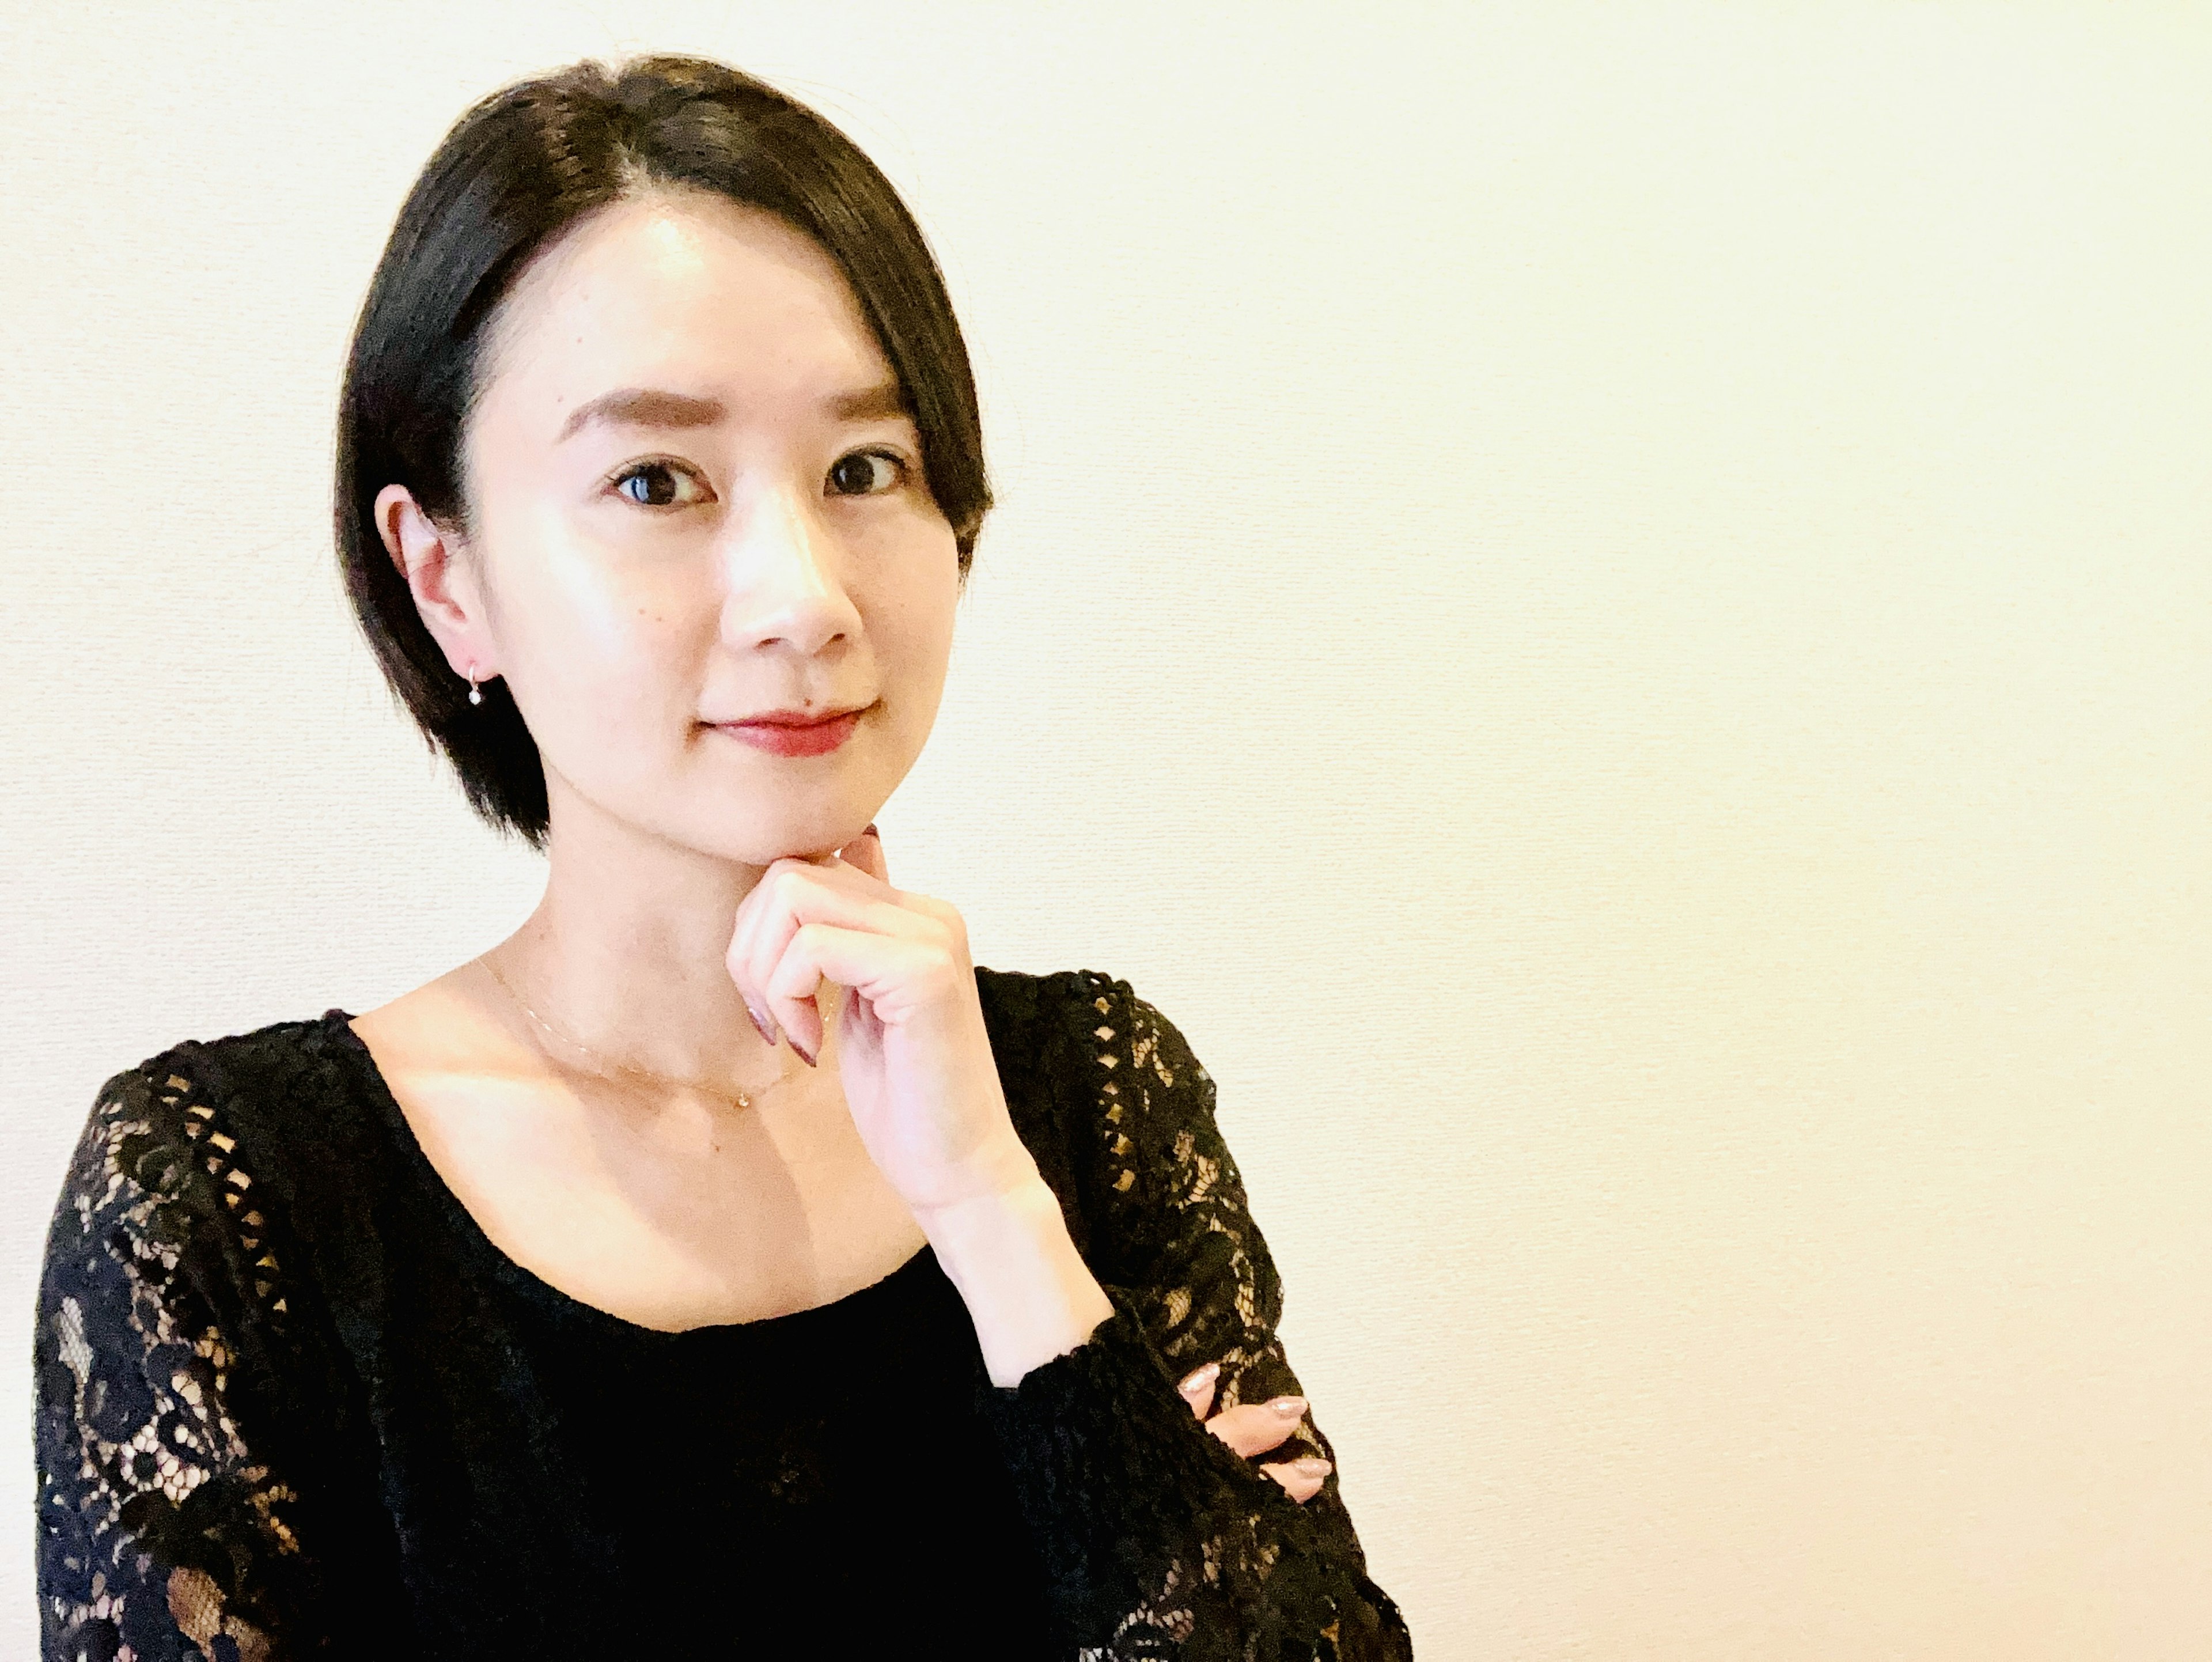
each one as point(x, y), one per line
point(515, 172)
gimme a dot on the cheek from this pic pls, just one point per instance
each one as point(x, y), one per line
point(913, 625)
point(575, 599)
point(603, 649)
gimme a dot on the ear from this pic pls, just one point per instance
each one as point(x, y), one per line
point(446, 589)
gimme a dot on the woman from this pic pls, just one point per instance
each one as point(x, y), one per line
point(723, 1264)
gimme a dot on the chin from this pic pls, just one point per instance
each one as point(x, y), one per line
point(802, 829)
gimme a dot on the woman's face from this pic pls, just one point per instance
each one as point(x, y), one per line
point(694, 498)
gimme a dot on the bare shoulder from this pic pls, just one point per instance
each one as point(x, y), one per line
point(447, 1025)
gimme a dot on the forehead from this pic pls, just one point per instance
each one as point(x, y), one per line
point(678, 288)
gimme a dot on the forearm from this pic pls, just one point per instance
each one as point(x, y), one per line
point(1027, 1289)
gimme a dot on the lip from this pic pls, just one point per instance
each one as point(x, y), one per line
point(793, 718)
point(794, 732)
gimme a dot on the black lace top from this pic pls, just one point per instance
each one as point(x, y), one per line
point(291, 1401)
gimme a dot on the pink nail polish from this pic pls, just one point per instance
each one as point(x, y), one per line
point(1310, 1465)
point(1199, 1380)
point(1290, 1408)
point(805, 1054)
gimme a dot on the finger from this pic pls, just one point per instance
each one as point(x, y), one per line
point(795, 892)
point(775, 893)
point(799, 905)
point(858, 1023)
point(758, 911)
point(737, 958)
point(866, 851)
point(1256, 1427)
point(1197, 1389)
point(1301, 1478)
point(892, 971)
point(788, 994)
point(790, 896)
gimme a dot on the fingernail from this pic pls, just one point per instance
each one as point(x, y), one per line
point(1310, 1465)
point(1199, 1380)
point(805, 1054)
point(872, 831)
point(1290, 1408)
point(761, 1025)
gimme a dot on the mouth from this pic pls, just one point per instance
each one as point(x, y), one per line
point(788, 733)
point(795, 718)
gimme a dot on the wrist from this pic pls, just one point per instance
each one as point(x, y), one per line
point(1027, 1289)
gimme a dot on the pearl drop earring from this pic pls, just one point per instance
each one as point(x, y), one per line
point(475, 697)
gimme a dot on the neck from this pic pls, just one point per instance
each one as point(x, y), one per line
point(625, 955)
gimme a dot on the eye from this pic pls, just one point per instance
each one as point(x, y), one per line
point(659, 485)
point(854, 470)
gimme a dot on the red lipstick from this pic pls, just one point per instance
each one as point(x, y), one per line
point(794, 733)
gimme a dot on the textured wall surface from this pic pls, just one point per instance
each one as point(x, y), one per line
point(1608, 605)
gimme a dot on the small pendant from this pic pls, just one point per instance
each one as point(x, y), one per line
point(474, 696)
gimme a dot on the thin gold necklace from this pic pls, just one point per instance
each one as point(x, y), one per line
point(745, 1099)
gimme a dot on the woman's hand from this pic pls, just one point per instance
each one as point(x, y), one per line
point(914, 1055)
point(1255, 1428)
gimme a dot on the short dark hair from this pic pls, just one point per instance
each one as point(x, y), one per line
point(518, 169)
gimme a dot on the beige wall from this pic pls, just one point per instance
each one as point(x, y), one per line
point(1608, 605)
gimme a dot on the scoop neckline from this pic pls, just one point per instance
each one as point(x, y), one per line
point(525, 1282)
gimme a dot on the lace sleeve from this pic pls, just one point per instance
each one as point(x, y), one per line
point(1157, 1539)
point(161, 1526)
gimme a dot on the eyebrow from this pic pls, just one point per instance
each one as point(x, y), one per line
point(649, 406)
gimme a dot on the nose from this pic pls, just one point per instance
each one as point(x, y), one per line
point(783, 579)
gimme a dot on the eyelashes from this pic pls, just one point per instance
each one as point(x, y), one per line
point(659, 482)
point(652, 476)
point(901, 472)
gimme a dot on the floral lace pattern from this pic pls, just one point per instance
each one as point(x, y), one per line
point(178, 1384)
point(160, 1533)
point(1161, 1542)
